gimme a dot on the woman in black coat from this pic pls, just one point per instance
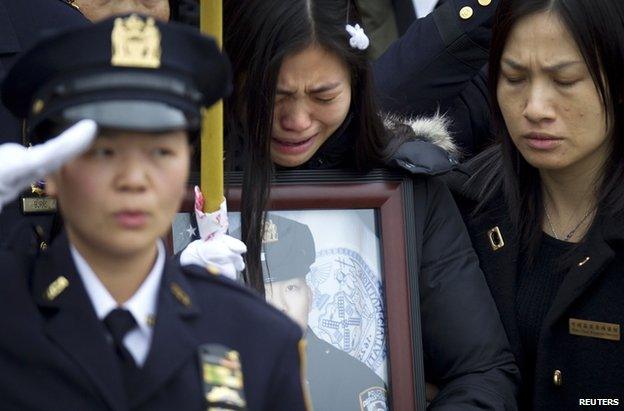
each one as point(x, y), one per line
point(545, 208)
point(303, 99)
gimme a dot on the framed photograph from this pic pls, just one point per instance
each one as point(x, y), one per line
point(339, 257)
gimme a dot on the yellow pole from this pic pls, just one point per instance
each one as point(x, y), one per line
point(211, 173)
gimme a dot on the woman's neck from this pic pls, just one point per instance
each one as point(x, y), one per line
point(569, 201)
point(568, 190)
point(121, 274)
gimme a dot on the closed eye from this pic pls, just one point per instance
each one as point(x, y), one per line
point(325, 100)
point(513, 80)
point(565, 83)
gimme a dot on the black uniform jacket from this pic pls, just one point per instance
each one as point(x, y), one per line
point(351, 384)
point(589, 367)
point(466, 353)
point(22, 22)
point(54, 354)
point(439, 64)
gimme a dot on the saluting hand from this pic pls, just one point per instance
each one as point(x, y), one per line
point(21, 166)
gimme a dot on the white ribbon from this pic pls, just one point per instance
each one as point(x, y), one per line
point(216, 251)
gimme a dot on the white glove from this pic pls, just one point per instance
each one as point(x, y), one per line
point(218, 252)
point(21, 166)
point(221, 254)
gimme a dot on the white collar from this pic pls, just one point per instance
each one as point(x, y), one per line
point(424, 7)
point(143, 302)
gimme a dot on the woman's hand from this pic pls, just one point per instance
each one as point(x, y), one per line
point(21, 166)
point(218, 252)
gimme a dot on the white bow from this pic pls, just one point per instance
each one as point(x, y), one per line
point(359, 39)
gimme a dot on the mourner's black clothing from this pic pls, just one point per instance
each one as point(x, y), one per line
point(466, 352)
point(587, 357)
point(439, 64)
point(54, 354)
point(536, 289)
point(21, 24)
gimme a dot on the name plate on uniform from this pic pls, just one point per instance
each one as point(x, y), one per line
point(595, 329)
point(38, 205)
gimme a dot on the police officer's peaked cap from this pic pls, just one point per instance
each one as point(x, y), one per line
point(128, 72)
point(288, 249)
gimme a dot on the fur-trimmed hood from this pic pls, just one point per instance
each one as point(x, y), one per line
point(428, 146)
point(420, 145)
point(434, 130)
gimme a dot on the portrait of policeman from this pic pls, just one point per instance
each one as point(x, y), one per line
point(337, 381)
point(103, 319)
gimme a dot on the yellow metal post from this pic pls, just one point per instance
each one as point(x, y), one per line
point(211, 174)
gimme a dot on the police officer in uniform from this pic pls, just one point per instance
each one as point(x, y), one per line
point(337, 381)
point(439, 64)
point(103, 319)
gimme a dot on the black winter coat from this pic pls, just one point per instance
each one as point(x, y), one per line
point(569, 367)
point(466, 352)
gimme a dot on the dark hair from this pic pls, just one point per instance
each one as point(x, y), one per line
point(259, 35)
point(598, 30)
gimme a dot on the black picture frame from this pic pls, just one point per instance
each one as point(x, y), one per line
point(390, 194)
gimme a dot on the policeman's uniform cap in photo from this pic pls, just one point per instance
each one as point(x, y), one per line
point(288, 249)
point(129, 72)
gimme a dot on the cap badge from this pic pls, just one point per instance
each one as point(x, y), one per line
point(135, 42)
point(269, 235)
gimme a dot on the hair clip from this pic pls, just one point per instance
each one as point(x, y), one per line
point(359, 40)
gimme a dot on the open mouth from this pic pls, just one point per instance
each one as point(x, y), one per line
point(292, 147)
point(292, 143)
